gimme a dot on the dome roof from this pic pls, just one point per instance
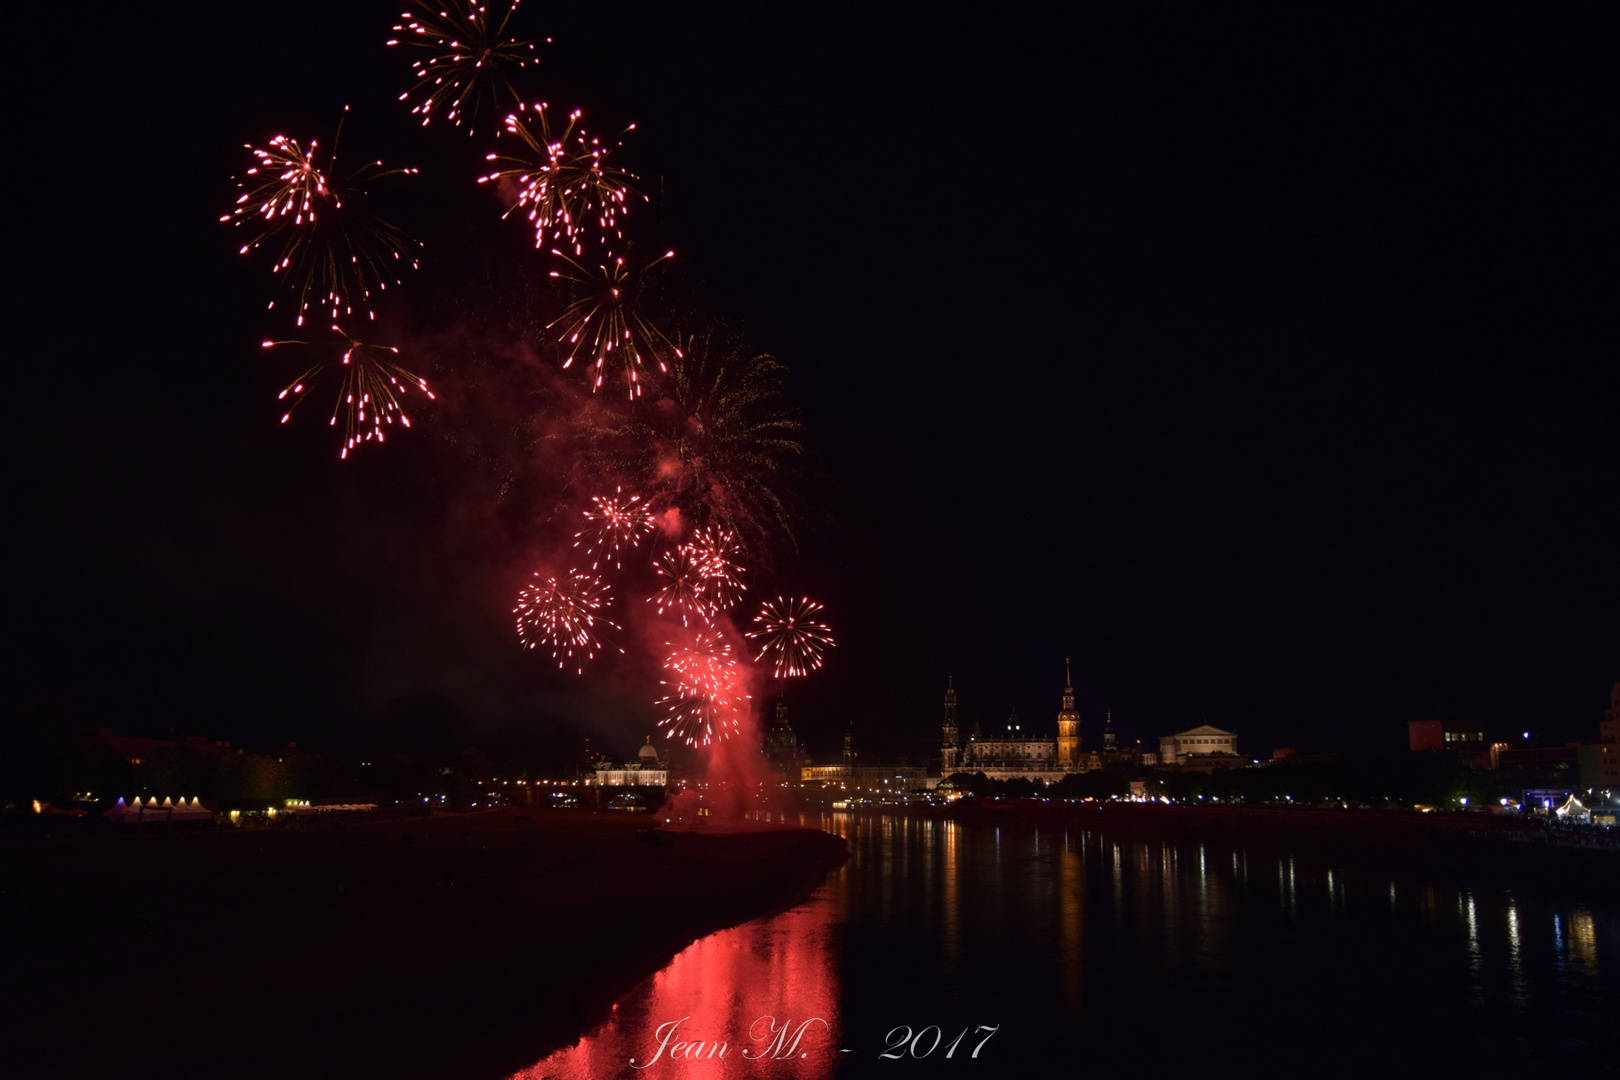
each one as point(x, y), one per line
point(648, 752)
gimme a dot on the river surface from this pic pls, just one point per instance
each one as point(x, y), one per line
point(984, 951)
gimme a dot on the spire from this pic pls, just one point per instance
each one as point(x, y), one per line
point(1068, 680)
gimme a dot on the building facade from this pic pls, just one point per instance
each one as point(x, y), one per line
point(1460, 736)
point(647, 770)
point(1015, 752)
point(1203, 747)
point(1600, 761)
point(1068, 724)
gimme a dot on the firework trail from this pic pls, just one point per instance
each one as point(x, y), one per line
point(566, 183)
point(714, 552)
point(562, 615)
point(703, 694)
point(682, 587)
point(603, 321)
point(329, 248)
point(614, 523)
point(369, 390)
point(466, 64)
point(791, 635)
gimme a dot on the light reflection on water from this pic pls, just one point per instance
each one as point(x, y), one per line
point(780, 968)
point(1069, 935)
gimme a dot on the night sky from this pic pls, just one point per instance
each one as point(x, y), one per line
point(1264, 366)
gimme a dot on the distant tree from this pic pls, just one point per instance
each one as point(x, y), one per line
point(976, 783)
point(309, 776)
point(1018, 787)
point(264, 778)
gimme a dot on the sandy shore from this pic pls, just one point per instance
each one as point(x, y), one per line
point(454, 947)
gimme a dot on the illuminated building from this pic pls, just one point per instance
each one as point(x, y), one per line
point(1068, 724)
point(1013, 752)
point(647, 770)
point(1600, 761)
point(1201, 748)
point(1461, 736)
point(855, 778)
point(952, 737)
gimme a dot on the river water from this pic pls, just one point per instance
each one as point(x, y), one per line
point(984, 951)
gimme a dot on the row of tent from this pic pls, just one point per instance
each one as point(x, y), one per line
point(168, 810)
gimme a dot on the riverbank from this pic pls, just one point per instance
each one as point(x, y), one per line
point(1481, 846)
point(452, 947)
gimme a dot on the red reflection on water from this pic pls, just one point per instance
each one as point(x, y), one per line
point(727, 989)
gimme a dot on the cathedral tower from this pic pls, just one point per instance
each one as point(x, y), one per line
point(781, 744)
point(1068, 725)
point(951, 753)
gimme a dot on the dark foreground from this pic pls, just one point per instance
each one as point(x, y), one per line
point(454, 947)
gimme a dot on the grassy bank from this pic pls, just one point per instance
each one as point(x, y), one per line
point(460, 947)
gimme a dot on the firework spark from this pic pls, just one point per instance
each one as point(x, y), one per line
point(721, 447)
point(703, 694)
point(791, 635)
point(565, 183)
point(714, 552)
point(467, 64)
point(368, 391)
point(603, 321)
point(682, 586)
point(329, 248)
point(563, 616)
point(614, 523)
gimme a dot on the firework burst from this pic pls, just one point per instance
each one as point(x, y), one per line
point(467, 63)
point(681, 590)
point(369, 389)
point(791, 635)
point(713, 551)
point(613, 524)
point(330, 250)
point(721, 447)
point(603, 321)
point(703, 693)
point(563, 616)
point(565, 184)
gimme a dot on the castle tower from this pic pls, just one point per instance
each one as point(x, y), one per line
point(949, 758)
point(1068, 725)
point(849, 745)
point(1109, 742)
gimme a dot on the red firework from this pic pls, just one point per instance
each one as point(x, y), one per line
point(603, 322)
point(614, 523)
point(682, 587)
point(565, 183)
point(704, 694)
point(562, 614)
point(468, 61)
point(714, 552)
point(791, 635)
point(369, 390)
